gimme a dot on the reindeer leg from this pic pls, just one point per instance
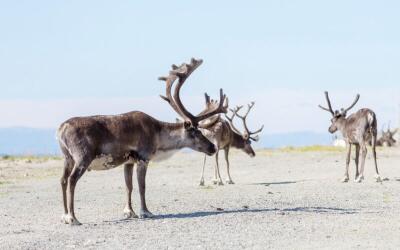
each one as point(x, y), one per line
point(78, 170)
point(377, 176)
point(363, 156)
point(141, 177)
point(202, 173)
point(357, 158)
point(229, 180)
point(128, 172)
point(68, 165)
point(218, 179)
point(346, 174)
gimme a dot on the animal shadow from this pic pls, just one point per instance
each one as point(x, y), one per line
point(190, 215)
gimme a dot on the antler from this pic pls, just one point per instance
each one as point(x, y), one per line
point(248, 134)
point(210, 105)
point(352, 105)
point(230, 119)
point(329, 109)
point(182, 73)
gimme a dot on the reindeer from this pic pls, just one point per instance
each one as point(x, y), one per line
point(105, 142)
point(387, 138)
point(357, 129)
point(224, 135)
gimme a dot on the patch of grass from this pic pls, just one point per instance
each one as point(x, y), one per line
point(208, 187)
point(313, 148)
point(30, 158)
point(4, 182)
point(304, 149)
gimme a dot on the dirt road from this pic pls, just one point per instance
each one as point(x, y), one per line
point(280, 200)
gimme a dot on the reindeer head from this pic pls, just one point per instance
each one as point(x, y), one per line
point(338, 117)
point(193, 137)
point(247, 135)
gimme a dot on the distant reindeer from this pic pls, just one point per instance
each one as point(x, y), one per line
point(224, 135)
point(105, 142)
point(357, 129)
point(387, 138)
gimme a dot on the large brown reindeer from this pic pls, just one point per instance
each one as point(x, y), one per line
point(225, 135)
point(105, 142)
point(357, 129)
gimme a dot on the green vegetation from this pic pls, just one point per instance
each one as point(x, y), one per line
point(30, 158)
point(304, 149)
point(313, 148)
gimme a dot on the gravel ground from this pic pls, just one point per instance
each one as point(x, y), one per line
point(288, 200)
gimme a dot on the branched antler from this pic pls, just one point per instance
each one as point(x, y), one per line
point(182, 73)
point(247, 134)
point(230, 119)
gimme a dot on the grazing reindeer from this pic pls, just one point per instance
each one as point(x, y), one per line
point(224, 135)
point(357, 129)
point(105, 142)
point(387, 138)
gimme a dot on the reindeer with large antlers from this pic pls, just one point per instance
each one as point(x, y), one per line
point(357, 129)
point(225, 135)
point(105, 142)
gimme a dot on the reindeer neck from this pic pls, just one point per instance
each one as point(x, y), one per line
point(237, 140)
point(171, 137)
point(342, 124)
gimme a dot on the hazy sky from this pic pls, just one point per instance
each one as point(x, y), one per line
point(66, 58)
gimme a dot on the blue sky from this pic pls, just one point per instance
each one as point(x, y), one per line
point(66, 58)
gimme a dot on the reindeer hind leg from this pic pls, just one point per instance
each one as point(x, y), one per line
point(373, 140)
point(128, 172)
point(79, 169)
point(68, 165)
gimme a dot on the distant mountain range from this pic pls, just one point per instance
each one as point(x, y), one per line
point(32, 141)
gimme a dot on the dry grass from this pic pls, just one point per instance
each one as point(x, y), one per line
point(305, 149)
point(29, 158)
point(14, 169)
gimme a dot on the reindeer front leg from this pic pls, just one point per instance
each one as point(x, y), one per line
point(128, 172)
point(141, 177)
point(217, 175)
point(202, 173)
point(346, 173)
point(229, 180)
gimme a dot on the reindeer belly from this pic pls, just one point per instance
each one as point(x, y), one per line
point(106, 162)
point(163, 155)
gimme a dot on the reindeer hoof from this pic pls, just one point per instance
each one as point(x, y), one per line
point(129, 214)
point(201, 183)
point(145, 214)
point(229, 182)
point(378, 178)
point(68, 219)
point(359, 179)
point(345, 179)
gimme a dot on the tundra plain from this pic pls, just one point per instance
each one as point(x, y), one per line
point(287, 199)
